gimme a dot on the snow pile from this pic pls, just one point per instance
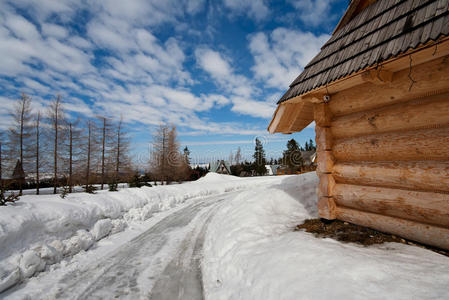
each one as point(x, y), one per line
point(252, 252)
point(42, 230)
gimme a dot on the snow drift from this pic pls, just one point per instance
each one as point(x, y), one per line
point(41, 230)
point(252, 252)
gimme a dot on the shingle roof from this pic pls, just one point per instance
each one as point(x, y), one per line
point(381, 31)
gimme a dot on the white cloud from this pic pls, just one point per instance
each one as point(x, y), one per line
point(255, 9)
point(138, 74)
point(54, 30)
point(313, 12)
point(282, 55)
point(213, 63)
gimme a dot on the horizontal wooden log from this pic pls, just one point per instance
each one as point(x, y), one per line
point(429, 112)
point(423, 233)
point(323, 138)
point(327, 208)
point(325, 162)
point(430, 78)
point(322, 114)
point(421, 175)
point(423, 144)
point(425, 207)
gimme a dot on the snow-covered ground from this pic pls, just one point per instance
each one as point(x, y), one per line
point(252, 252)
point(221, 237)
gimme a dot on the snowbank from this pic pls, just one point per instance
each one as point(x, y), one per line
point(41, 230)
point(252, 252)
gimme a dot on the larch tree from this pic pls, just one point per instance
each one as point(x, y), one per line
point(1, 160)
point(159, 153)
point(74, 150)
point(56, 121)
point(37, 148)
point(120, 150)
point(89, 152)
point(106, 137)
point(238, 156)
point(21, 133)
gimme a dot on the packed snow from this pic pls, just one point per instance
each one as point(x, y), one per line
point(236, 232)
point(41, 230)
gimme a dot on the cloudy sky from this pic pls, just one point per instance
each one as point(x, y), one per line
point(213, 68)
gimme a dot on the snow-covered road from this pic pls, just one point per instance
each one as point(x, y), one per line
point(163, 262)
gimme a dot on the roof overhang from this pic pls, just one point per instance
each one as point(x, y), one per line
point(296, 113)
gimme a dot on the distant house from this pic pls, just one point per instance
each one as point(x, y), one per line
point(272, 169)
point(309, 160)
point(378, 92)
point(220, 167)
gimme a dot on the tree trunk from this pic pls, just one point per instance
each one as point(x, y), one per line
point(88, 155)
point(117, 160)
point(22, 116)
point(55, 182)
point(70, 157)
point(37, 152)
point(102, 153)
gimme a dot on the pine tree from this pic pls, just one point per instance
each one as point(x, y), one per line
point(259, 158)
point(292, 156)
point(311, 145)
point(187, 155)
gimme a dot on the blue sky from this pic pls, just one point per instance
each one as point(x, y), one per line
point(215, 69)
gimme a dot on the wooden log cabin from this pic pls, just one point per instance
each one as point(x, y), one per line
point(379, 95)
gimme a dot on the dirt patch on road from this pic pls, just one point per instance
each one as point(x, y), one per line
point(351, 233)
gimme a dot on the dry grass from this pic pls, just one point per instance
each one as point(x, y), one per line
point(351, 233)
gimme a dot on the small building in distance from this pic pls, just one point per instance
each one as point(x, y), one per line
point(378, 92)
point(220, 167)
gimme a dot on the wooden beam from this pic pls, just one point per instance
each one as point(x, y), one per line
point(428, 112)
point(423, 144)
point(322, 114)
point(327, 208)
point(326, 185)
point(431, 208)
point(430, 176)
point(323, 138)
point(302, 117)
point(325, 162)
point(377, 76)
point(428, 79)
point(277, 117)
point(423, 233)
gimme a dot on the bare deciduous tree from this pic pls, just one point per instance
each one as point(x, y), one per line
point(120, 150)
point(74, 151)
point(37, 149)
point(238, 156)
point(21, 132)
point(167, 162)
point(56, 119)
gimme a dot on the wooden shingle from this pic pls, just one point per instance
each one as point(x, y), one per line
point(383, 30)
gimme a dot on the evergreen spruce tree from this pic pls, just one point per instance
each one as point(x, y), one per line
point(292, 156)
point(259, 158)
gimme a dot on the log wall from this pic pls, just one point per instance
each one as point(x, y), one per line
point(383, 154)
